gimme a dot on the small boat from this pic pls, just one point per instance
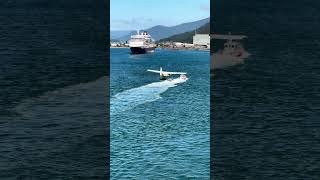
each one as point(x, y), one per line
point(183, 77)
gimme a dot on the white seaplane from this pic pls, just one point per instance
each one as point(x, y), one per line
point(164, 75)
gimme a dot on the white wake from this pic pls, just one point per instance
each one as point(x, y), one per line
point(133, 97)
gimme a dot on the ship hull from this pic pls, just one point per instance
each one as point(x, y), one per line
point(141, 50)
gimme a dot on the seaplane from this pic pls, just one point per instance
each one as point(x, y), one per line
point(164, 75)
point(233, 52)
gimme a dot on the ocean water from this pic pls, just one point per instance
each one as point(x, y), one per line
point(53, 94)
point(159, 130)
point(265, 113)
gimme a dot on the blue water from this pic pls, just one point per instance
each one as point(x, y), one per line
point(159, 130)
point(265, 116)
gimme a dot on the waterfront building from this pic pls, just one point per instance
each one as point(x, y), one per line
point(201, 40)
point(114, 44)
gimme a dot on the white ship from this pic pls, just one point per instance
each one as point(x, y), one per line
point(232, 54)
point(141, 43)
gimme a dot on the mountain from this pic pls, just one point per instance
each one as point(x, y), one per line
point(118, 34)
point(160, 32)
point(187, 37)
point(114, 40)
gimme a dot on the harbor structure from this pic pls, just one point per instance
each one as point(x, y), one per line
point(201, 40)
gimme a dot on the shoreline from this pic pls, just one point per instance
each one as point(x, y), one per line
point(168, 48)
point(123, 47)
point(191, 49)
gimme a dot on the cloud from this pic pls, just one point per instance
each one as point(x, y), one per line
point(132, 23)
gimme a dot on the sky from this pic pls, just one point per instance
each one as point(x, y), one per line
point(143, 14)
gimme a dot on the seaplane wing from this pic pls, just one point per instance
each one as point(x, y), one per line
point(155, 71)
point(174, 72)
point(165, 72)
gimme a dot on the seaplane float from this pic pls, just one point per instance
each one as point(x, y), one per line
point(232, 54)
point(164, 75)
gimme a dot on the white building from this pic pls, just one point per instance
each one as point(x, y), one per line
point(178, 44)
point(188, 45)
point(114, 44)
point(202, 40)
